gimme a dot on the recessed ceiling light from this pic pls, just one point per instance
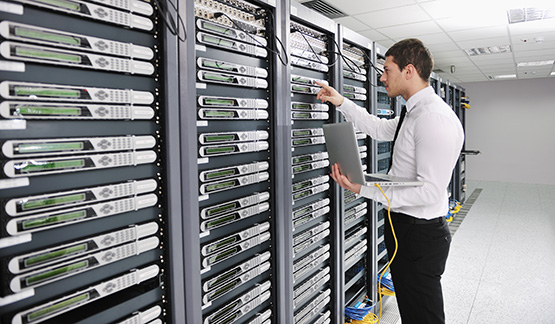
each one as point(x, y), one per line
point(535, 63)
point(488, 50)
point(552, 74)
point(502, 76)
point(519, 15)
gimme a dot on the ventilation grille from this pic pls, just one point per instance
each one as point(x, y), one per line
point(529, 14)
point(325, 9)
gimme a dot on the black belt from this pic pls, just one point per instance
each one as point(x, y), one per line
point(403, 218)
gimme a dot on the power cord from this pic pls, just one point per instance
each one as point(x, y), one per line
point(394, 253)
point(216, 15)
point(169, 21)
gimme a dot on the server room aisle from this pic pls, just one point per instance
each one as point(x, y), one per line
point(502, 260)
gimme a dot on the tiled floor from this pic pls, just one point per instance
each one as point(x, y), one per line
point(501, 267)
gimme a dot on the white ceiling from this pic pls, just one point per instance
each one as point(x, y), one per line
point(448, 27)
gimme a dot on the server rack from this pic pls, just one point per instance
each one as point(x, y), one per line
point(356, 214)
point(315, 229)
point(85, 215)
point(234, 65)
point(460, 168)
point(385, 107)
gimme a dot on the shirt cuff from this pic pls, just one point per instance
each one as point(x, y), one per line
point(368, 192)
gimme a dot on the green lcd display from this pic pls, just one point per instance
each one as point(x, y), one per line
point(45, 92)
point(218, 245)
point(223, 277)
point(348, 88)
point(301, 168)
point(221, 291)
point(349, 95)
point(218, 41)
point(302, 211)
point(50, 220)
point(301, 195)
point(70, 5)
point(219, 113)
point(301, 133)
point(218, 77)
point(230, 319)
point(219, 102)
point(218, 29)
point(301, 159)
point(301, 115)
point(224, 255)
point(27, 167)
point(219, 65)
point(301, 106)
point(219, 186)
point(300, 186)
point(217, 150)
point(222, 209)
point(220, 174)
point(220, 222)
point(301, 142)
point(46, 36)
point(46, 55)
point(301, 79)
point(225, 310)
point(48, 147)
point(51, 201)
point(51, 274)
point(301, 88)
point(33, 110)
point(219, 138)
point(49, 310)
point(302, 221)
point(54, 255)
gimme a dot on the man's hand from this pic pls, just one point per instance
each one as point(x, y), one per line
point(343, 181)
point(328, 93)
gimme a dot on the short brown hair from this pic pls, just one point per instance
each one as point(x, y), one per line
point(412, 51)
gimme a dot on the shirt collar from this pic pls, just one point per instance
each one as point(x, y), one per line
point(411, 103)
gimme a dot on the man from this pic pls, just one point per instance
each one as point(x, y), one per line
point(426, 148)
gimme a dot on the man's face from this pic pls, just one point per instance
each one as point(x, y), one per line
point(392, 77)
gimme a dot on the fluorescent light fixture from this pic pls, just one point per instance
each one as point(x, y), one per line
point(552, 74)
point(488, 50)
point(502, 76)
point(535, 63)
point(519, 15)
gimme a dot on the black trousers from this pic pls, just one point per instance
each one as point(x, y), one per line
point(416, 271)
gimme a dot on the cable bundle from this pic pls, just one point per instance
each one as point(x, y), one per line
point(360, 313)
point(386, 285)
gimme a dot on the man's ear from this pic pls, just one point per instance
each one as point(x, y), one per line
point(409, 71)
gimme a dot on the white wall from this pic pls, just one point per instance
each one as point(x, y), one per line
point(512, 123)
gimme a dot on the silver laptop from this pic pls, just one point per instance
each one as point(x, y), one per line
point(342, 148)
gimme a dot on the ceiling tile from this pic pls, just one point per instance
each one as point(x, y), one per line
point(352, 7)
point(532, 27)
point(546, 54)
point(484, 42)
point(479, 33)
point(394, 17)
point(374, 35)
point(470, 21)
point(410, 30)
point(443, 47)
point(352, 23)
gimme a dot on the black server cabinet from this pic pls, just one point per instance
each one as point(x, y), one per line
point(234, 115)
point(84, 163)
point(359, 227)
point(315, 248)
point(460, 167)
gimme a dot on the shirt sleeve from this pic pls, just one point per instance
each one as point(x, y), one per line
point(380, 129)
point(437, 145)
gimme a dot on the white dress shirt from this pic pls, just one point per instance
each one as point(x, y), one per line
point(427, 149)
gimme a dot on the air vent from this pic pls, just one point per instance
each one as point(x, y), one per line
point(529, 14)
point(325, 9)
